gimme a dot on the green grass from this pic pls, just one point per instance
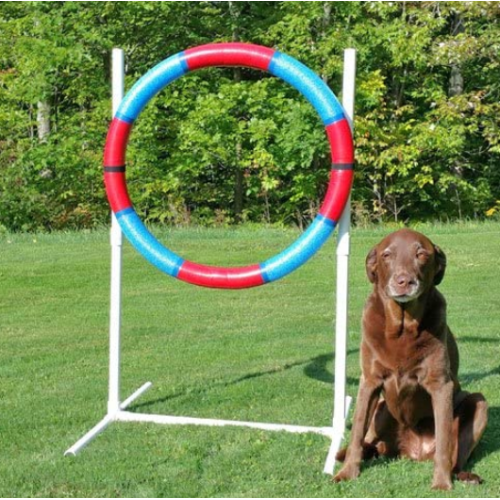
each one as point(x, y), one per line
point(262, 354)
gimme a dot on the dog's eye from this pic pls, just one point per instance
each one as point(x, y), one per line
point(422, 254)
point(386, 254)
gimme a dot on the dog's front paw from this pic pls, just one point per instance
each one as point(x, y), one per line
point(441, 482)
point(347, 472)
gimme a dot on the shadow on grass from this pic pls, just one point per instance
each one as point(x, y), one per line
point(490, 442)
point(315, 368)
point(467, 378)
point(481, 340)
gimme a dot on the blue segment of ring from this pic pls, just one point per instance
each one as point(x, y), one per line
point(309, 84)
point(300, 251)
point(146, 244)
point(149, 85)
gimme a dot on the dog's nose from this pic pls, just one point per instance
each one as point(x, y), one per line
point(404, 280)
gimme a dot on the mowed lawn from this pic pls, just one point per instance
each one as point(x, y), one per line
point(263, 354)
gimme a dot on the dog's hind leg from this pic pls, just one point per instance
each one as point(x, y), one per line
point(381, 437)
point(383, 432)
point(471, 416)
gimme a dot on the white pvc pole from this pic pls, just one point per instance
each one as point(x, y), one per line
point(341, 401)
point(343, 251)
point(116, 240)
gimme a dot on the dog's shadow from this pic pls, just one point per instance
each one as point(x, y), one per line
point(315, 368)
point(490, 442)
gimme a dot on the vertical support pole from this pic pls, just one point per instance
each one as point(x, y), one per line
point(341, 400)
point(343, 251)
point(116, 240)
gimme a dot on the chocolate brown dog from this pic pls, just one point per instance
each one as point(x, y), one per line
point(409, 401)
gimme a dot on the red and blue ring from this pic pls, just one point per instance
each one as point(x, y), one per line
point(231, 54)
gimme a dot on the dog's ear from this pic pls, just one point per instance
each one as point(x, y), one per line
point(440, 260)
point(371, 265)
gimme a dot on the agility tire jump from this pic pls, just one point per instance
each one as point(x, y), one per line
point(231, 54)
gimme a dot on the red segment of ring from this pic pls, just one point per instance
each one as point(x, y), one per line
point(340, 139)
point(229, 54)
point(114, 156)
point(116, 187)
point(116, 143)
point(336, 194)
point(218, 277)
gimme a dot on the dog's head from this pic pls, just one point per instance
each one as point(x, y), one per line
point(405, 264)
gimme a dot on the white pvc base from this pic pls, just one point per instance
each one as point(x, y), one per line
point(335, 433)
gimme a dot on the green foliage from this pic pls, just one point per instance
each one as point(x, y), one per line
point(225, 145)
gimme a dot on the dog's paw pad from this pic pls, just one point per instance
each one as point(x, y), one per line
point(469, 478)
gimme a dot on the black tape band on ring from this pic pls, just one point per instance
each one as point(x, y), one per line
point(342, 166)
point(119, 169)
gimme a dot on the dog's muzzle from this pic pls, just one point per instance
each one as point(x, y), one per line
point(404, 288)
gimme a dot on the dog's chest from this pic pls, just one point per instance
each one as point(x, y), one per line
point(406, 399)
point(400, 362)
point(401, 357)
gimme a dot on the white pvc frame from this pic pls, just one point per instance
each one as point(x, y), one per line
point(117, 409)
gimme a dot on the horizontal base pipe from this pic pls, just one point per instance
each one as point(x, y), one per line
point(108, 419)
point(87, 438)
point(138, 393)
point(335, 433)
point(124, 416)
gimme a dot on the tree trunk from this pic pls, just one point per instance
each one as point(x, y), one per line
point(456, 84)
point(43, 107)
point(327, 15)
point(238, 185)
point(43, 120)
point(456, 88)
